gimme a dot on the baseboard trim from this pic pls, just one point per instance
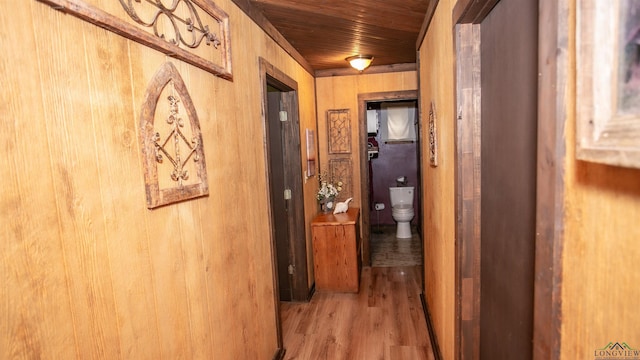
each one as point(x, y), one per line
point(279, 354)
point(312, 291)
point(432, 334)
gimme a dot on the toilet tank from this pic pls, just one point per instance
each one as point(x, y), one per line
point(401, 195)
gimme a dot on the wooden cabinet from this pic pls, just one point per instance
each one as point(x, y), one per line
point(336, 251)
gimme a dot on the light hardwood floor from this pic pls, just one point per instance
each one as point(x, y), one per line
point(383, 321)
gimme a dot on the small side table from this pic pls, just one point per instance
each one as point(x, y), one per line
point(336, 251)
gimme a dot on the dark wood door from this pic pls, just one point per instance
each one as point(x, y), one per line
point(286, 189)
point(277, 188)
point(508, 178)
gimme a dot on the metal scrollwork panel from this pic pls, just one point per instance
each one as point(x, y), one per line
point(174, 163)
point(187, 30)
point(339, 124)
point(194, 31)
point(340, 169)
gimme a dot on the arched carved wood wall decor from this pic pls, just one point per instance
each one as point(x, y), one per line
point(172, 149)
point(433, 136)
point(194, 31)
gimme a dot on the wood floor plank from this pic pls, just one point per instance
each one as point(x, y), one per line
point(410, 352)
point(384, 321)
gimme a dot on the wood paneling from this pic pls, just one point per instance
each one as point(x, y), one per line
point(327, 32)
point(437, 85)
point(87, 270)
point(205, 17)
point(374, 69)
point(268, 27)
point(469, 11)
point(600, 269)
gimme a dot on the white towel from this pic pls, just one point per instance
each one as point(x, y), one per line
point(400, 121)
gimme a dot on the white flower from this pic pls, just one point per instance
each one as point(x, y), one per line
point(328, 189)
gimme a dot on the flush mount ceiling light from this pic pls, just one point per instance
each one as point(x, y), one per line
point(360, 62)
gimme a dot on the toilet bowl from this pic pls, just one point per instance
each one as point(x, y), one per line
point(402, 209)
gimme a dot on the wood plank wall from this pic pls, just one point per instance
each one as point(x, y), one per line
point(437, 85)
point(86, 270)
point(601, 272)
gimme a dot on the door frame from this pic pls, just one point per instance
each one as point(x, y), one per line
point(467, 177)
point(553, 63)
point(272, 76)
point(365, 211)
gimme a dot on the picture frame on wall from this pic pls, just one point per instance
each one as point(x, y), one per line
point(608, 82)
point(311, 152)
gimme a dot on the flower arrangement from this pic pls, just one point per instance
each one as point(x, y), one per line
point(327, 192)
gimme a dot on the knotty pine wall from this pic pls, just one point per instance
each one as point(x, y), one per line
point(438, 188)
point(601, 271)
point(86, 270)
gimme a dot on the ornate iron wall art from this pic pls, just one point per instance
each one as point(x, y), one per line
point(167, 28)
point(433, 136)
point(165, 147)
point(340, 169)
point(174, 163)
point(339, 124)
point(192, 23)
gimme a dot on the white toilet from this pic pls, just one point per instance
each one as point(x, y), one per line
point(402, 209)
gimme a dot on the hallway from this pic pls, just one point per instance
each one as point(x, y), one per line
point(385, 320)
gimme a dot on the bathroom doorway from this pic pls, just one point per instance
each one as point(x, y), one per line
point(284, 166)
point(385, 160)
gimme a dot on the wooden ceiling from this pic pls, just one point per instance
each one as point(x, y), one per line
point(325, 32)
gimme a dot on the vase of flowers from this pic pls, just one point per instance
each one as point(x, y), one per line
point(327, 193)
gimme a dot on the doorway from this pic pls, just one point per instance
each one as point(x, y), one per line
point(496, 140)
point(284, 169)
point(393, 162)
point(365, 101)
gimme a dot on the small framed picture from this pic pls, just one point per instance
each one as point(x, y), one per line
point(311, 152)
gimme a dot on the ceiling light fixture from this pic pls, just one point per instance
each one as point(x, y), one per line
point(360, 62)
